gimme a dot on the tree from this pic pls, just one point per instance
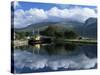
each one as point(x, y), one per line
point(52, 31)
point(22, 35)
point(49, 31)
point(58, 32)
point(70, 34)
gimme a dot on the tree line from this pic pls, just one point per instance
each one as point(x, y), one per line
point(53, 31)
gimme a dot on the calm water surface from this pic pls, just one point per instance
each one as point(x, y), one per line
point(54, 57)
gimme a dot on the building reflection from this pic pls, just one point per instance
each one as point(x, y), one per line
point(36, 48)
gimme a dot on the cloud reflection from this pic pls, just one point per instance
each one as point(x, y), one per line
point(34, 62)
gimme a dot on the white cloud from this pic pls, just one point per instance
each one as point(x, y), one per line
point(36, 62)
point(23, 18)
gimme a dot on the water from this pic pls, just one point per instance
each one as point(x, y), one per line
point(54, 57)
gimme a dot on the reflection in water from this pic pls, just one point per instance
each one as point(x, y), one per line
point(54, 57)
point(36, 48)
point(59, 48)
point(50, 49)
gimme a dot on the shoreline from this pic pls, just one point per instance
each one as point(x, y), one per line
point(16, 43)
point(19, 42)
point(82, 41)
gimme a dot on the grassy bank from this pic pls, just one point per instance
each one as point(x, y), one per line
point(81, 41)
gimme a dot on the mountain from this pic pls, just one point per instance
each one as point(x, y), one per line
point(90, 28)
point(36, 26)
point(90, 21)
point(87, 29)
point(43, 25)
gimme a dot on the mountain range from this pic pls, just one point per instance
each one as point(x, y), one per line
point(87, 29)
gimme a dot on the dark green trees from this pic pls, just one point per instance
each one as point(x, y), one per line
point(56, 31)
point(70, 34)
point(22, 35)
point(59, 32)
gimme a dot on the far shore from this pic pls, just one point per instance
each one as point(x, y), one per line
point(17, 43)
point(82, 41)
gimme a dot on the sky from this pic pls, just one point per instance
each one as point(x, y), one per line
point(27, 13)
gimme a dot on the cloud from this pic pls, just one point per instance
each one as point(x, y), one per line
point(35, 62)
point(23, 18)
